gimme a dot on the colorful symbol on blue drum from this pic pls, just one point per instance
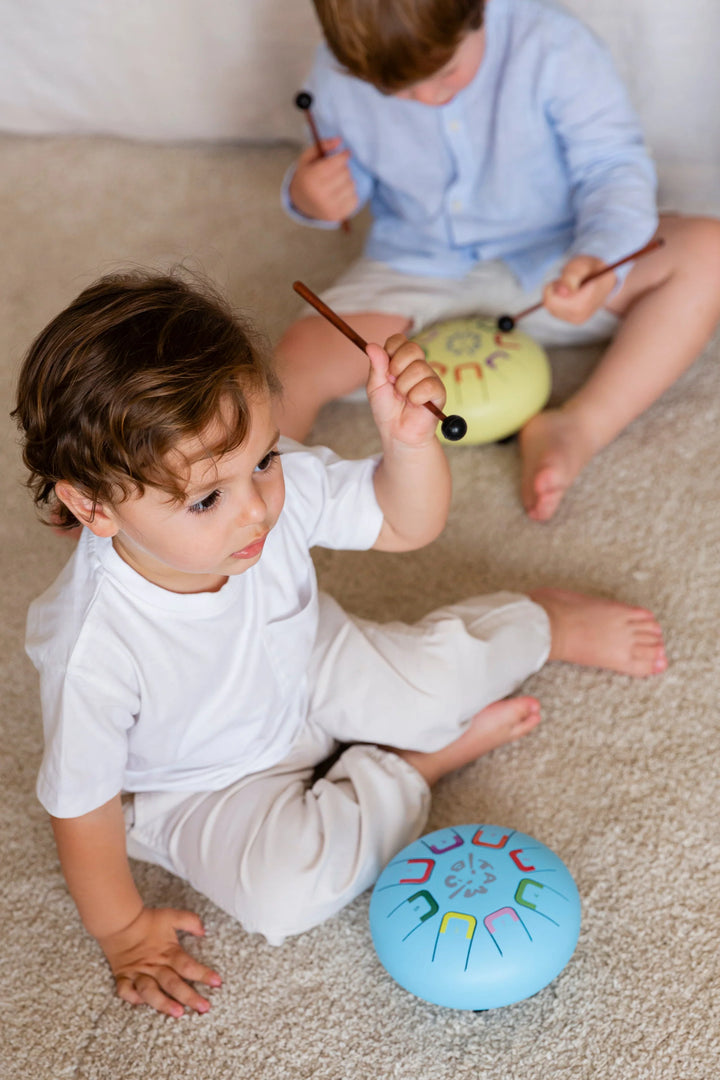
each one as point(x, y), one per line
point(475, 916)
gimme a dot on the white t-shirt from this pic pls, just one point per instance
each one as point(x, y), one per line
point(144, 689)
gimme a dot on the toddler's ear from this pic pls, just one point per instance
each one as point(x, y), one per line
point(98, 519)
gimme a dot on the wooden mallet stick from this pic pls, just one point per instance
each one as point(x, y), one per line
point(303, 100)
point(506, 323)
point(453, 427)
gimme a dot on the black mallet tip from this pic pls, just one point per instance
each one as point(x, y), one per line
point(454, 428)
point(506, 323)
point(303, 100)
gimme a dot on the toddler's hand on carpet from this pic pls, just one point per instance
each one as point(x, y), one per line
point(567, 298)
point(151, 967)
point(399, 384)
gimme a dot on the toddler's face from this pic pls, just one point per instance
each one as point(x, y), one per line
point(458, 73)
point(231, 504)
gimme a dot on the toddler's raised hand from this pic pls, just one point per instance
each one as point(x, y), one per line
point(567, 298)
point(322, 187)
point(151, 967)
point(399, 384)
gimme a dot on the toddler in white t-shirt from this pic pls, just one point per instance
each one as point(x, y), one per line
point(193, 677)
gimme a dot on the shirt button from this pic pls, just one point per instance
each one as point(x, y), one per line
point(456, 204)
point(454, 125)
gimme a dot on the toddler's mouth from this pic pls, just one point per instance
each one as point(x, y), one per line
point(252, 550)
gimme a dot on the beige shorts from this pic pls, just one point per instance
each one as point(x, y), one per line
point(490, 288)
point(280, 850)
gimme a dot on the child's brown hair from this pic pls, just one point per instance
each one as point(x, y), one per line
point(395, 43)
point(135, 364)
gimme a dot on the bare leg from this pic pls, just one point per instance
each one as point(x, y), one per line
point(584, 630)
point(594, 632)
point(316, 364)
point(497, 724)
point(670, 306)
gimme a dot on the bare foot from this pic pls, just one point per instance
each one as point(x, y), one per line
point(602, 633)
point(502, 722)
point(554, 449)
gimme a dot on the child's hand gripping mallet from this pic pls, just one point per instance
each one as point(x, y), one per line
point(453, 427)
point(303, 100)
point(506, 323)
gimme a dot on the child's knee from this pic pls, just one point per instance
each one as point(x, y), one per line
point(697, 242)
point(319, 852)
point(299, 339)
point(293, 900)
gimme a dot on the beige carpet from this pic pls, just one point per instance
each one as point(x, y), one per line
point(621, 779)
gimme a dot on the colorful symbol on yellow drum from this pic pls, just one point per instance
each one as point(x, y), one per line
point(495, 380)
point(497, 917)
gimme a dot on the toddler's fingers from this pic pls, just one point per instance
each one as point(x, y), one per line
point(310, 153)
point(339, 191)
point(126, 990)
point(186, 921)
point(190, 968)
point(379, 364)
point(333, 143)
point(418, 383)
point(578, 305)
point(429, 389)
point(403, 353)
point(575, 272)
point(181, 991)
point(337, 164)
point(394, 342)
point(150, 992)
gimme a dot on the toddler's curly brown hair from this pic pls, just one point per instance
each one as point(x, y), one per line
point(135, 364)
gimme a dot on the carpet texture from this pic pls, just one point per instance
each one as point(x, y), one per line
point(621, 778)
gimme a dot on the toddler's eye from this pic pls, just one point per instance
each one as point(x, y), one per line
point(205, 504)
point(264, 465)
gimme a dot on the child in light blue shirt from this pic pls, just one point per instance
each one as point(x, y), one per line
point(500, 157)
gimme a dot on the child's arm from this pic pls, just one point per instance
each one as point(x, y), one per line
point(412, 480)
point(611, 176)
point(140, 943)
point(324, 191)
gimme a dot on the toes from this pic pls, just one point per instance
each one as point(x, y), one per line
point(543, 495)
point(648, 637)
point(545, 506)
point(528, 496)
point(526, 724)
point(648, 658)
point(527, 718)
point(546, 481)
point(644, 619)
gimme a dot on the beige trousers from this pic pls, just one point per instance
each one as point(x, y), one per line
point(281, 852)
point(489, 289)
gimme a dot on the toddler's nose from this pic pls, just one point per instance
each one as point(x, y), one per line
point(254, 509)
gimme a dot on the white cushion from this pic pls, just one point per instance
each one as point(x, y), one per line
point(155, 69)
point(229, 69)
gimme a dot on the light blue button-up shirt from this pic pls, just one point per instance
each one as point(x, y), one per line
point(540, 156)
